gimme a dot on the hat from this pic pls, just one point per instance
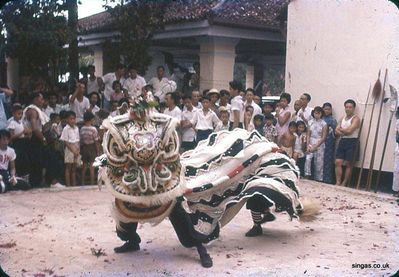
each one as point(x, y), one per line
point(213, 91)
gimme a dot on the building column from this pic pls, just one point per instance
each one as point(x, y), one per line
point(12, 73)
point(217, 58)
point(249, 76)
point(98, 61)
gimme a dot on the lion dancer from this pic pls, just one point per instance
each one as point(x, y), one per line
point(183, 226)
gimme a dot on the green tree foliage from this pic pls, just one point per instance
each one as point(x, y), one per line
point(35, 33)
point(136, 21)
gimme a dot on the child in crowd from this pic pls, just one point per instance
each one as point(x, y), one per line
point(269, 130)
point(259, 123)
point(70, 137)
point(224, 117)
point(16, 126)
point(20, 135)
point(7, 162)
point(317, 134)
point(204, 120)
point(90, 147)
point(300, 147)
point(114, 108)
point(287, 140)
point(94, 98)
point(248, 124)
point(268, 107)
point(118, 94)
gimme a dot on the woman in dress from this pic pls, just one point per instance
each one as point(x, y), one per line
point(317, 133)
point(329, 152)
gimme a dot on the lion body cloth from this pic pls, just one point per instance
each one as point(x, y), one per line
point(148, 177)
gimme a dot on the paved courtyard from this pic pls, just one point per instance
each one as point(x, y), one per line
point(54, 232)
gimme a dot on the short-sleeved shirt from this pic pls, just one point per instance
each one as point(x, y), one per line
point(108, 80)
point(188, 134)
point(204, 121)
point(157, 85)
point(134, 86)
point(176, 112)
point(6, 156)
point(70, 135)
point(17, 127)
point(270, 132)
point(88, 135)
point(307, 114)
point(237, 104)
point(80, 107)
point(117, 96)
point(316, 128)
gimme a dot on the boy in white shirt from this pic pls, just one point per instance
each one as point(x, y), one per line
point(188, 133)
point(204, 120)
point(7, 161)
point(70, 136)
point(224, 116)
point(237, 106)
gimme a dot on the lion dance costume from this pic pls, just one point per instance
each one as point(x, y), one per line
point(200, 190)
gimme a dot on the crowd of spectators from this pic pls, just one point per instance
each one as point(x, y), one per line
point(51, 138)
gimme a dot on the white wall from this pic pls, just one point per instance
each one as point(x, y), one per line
point(334, 52)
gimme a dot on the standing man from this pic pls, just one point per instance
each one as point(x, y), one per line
point(158, 82)
point(305, 113)
point(172, 99)
point(188, 132)
point(348, 130)
point(79, 103)
point(94, 83)
point(108, 80)
point(249, 101)
point(134, 83)
point(237, 106)
point(34, 118)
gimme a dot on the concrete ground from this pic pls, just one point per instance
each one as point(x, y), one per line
point(52, 232)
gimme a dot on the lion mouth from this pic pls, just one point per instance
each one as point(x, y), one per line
point(141, 212)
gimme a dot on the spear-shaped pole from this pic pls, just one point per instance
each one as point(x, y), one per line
point(394, 103)
point(370, 173)
point(375, 95)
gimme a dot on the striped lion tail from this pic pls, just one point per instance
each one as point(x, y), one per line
point(310, 210)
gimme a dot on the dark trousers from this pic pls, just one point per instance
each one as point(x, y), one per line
point(35, 153)
point(301, 164)
point(188, 145)
point(181, 222)
point(203, 134)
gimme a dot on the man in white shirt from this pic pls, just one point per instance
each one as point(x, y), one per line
point(94, 83)
point(195, 100)
point(108, 80)
point(237, 106)
point(188, 133)
point(171, 99)
point(249, 96)
point(305, 113)
point(205, 120)
point(134, 83)
point(158, 82)
point(79, 103)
